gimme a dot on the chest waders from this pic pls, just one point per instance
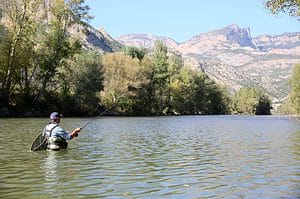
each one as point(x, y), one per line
point(56, 143)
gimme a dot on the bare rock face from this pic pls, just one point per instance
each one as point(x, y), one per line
point(233, 58)
point(284, 41)
point(97, 40)
point(229, 36)
point(146, 41)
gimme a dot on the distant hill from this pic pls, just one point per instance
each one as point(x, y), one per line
point(230, 56)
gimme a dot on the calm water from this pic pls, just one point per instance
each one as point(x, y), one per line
point(155, 157)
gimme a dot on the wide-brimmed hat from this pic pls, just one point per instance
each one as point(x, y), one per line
point(55, 115)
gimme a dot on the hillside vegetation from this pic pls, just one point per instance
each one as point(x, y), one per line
point(51, 60)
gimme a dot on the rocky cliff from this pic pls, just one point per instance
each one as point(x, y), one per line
point(97, 40)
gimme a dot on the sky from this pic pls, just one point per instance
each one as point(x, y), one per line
point(183, 19)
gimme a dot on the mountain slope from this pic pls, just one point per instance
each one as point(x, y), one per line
point(233, 58)
point(97, 40)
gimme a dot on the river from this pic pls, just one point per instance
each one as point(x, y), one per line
point(155, 157)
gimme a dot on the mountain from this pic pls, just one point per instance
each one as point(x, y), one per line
point(232, 57)
point(96, 40)
point(146, 41)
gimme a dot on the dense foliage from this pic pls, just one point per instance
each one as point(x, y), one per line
point(291, 7)
point(35, 51)
point(292, 104)
point(44, 69)
point(158, 84)
point(251, 100)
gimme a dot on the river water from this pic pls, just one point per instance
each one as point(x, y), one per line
point(155, 157)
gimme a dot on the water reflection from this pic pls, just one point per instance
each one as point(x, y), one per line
point(295, 140)
point(295, 171)
point(50, 168)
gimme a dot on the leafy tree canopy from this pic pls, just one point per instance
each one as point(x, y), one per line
point(291, 7)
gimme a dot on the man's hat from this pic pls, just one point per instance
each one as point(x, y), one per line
point(55, 115)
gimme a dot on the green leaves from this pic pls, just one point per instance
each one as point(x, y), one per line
point(295, 89)
point(291, 7)
point(134, 52)
point(251, 101)
point(158, 84)
point(292, 104)
point(78, 10)
point(35, 44)
point(82, 78)
point(194, 93)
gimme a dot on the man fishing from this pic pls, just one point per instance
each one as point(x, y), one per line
point(56, 135)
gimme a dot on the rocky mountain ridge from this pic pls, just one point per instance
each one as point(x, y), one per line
point(233, 58)
point(230, 56)
point(96, 40)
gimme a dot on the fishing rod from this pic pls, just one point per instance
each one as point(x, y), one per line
point(101, 114)
point(91, 120)
point(95, 117)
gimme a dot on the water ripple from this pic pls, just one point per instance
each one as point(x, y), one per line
point(161, 157)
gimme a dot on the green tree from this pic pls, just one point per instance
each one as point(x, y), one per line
point(295, 89)
point(215, 99)
point(120, 71)
point(141, 90)
point(55, 42)
point(194, 93)
point(292, 7)
point(159, 77)
point(251, 100)
point(18, 32)
point(183, 92)
point(81, 82)
point(78, 11)
point(134, 52)
point(292, 104)
point(34, 44)
point(160, 61)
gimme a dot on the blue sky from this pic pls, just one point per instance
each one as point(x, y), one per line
point(182, 19)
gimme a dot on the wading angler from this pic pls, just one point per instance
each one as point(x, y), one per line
point(57, 136)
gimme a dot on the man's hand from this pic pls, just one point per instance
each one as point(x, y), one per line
point(75, 132)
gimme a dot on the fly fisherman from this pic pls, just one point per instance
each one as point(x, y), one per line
point(56, 135)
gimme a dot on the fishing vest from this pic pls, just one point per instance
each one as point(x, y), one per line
point(55, 143)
